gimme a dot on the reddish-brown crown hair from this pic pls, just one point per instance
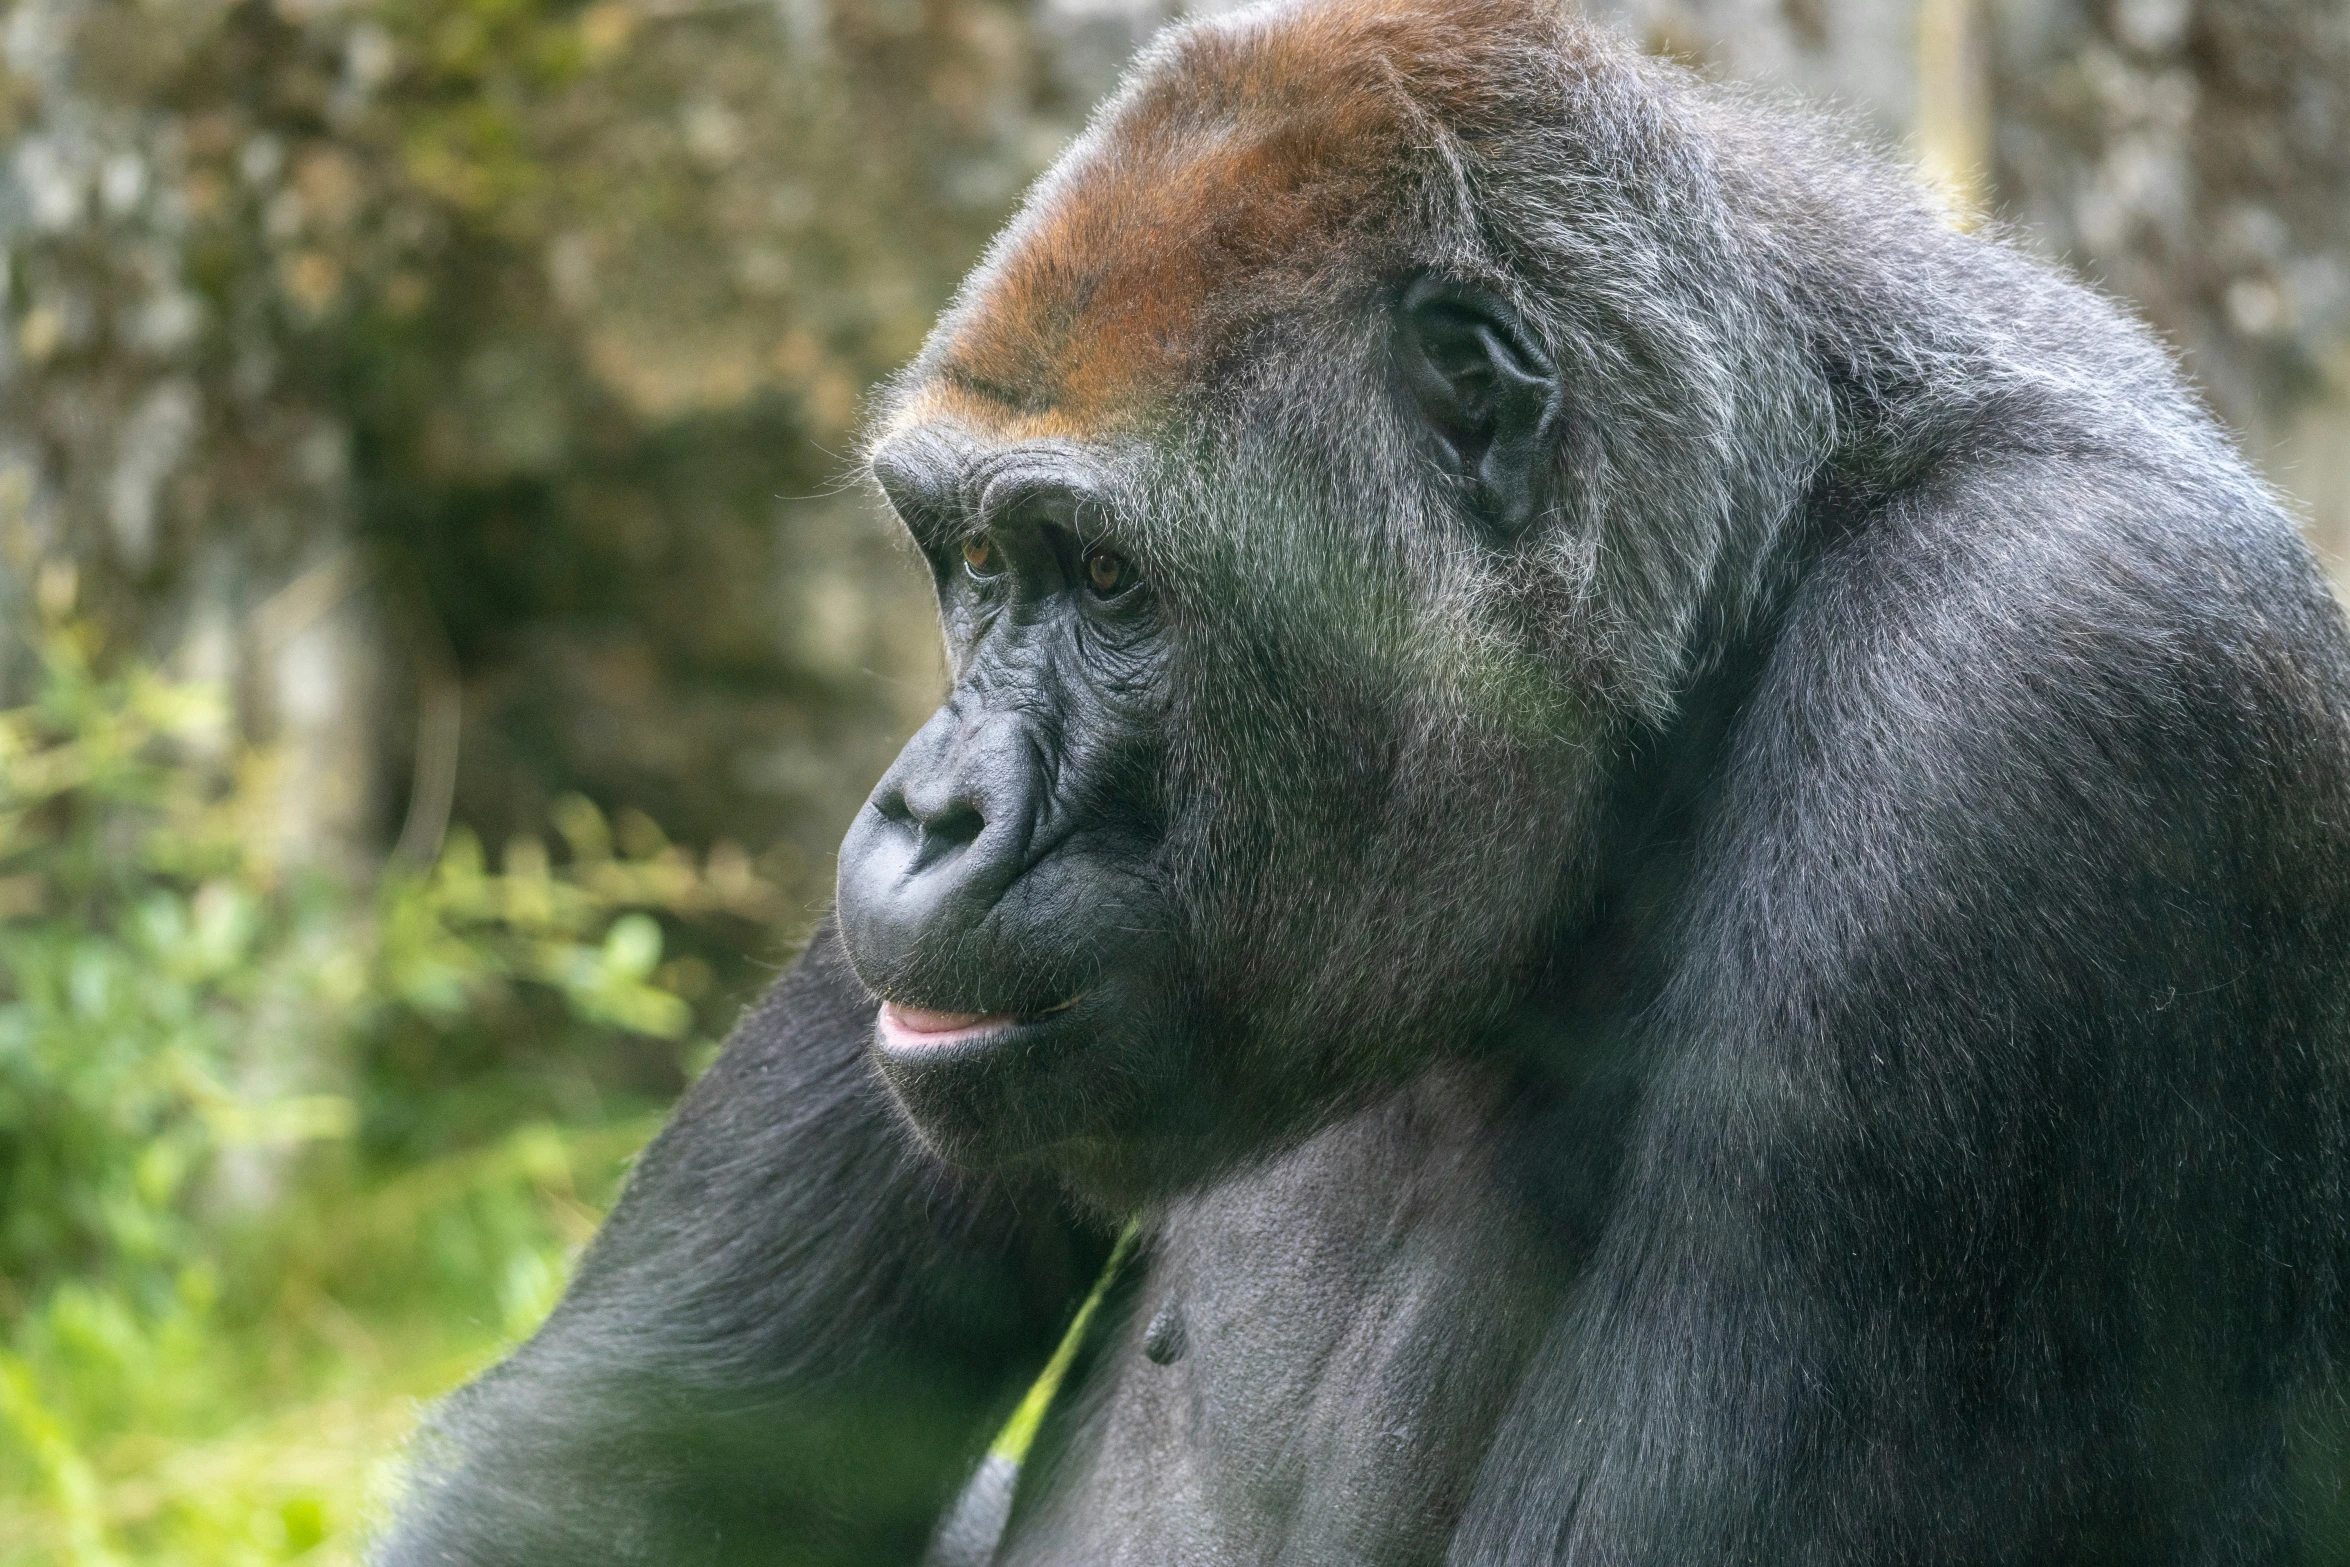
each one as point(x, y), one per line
point(1221, 181)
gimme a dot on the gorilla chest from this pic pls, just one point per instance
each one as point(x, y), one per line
point(1313, 1366)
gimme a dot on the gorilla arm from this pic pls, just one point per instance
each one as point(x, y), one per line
point(785, 1346)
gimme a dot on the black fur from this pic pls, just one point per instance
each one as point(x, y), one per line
point(1700, 894)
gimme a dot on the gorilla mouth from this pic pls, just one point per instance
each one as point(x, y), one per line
point(921, 1028)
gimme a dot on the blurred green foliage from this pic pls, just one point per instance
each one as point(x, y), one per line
point(221, 1193)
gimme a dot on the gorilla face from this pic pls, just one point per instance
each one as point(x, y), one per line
point(1239, 713)
point(1006, 888)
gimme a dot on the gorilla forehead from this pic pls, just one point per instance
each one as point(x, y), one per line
point(1250, 163)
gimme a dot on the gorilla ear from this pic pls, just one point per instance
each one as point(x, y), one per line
point(1487, 391)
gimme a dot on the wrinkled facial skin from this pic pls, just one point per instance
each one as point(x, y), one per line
point(1003, 890)
point(1247, 800)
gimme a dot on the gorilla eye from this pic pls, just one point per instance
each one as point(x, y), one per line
point(979, 559)
point(1107, 572)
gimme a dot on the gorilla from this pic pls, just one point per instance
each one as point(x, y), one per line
point(1675, 841)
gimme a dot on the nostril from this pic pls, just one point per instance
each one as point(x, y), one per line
point(940, 816)
point(956, 821)
point(958, 824)
point(945, 832)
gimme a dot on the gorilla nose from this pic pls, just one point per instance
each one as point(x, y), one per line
point(946, 832)
point(947, 815)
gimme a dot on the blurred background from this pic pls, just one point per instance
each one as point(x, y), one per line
point(442, 635)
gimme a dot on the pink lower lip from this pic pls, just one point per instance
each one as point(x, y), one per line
point(918, 1028)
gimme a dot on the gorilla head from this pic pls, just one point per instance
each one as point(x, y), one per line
point(1322, 478)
